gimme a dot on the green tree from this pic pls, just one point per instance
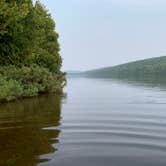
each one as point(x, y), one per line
point(14, 45)
point(46, 48)
point(29, 50)
point(27, 35)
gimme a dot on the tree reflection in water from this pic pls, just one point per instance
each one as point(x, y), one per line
point(22, 137)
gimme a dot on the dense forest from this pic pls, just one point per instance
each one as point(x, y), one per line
point(30, 62)
point(148, 68)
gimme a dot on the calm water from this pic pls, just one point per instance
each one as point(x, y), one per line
point(99, 122)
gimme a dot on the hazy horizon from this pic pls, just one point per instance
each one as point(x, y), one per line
point(102, 33)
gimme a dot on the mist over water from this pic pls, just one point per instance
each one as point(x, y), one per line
point(99, 122)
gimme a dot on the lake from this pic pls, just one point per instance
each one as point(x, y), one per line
point(97, 122)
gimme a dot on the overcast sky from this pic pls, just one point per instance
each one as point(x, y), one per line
point(99, 33)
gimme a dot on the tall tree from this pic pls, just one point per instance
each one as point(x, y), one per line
point(46, 48)
point(27, 35)
point(13, 42)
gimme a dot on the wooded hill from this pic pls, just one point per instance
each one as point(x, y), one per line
point(153, 67)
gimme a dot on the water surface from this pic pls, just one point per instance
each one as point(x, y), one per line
point(100, 122)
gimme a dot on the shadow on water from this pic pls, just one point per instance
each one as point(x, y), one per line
point(22, 137)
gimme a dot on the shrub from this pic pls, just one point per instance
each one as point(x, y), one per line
point(10, 89)
point(28, 81)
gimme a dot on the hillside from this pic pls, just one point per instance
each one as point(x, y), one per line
point(153, 67)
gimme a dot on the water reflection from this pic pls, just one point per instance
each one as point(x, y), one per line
point(158, 82)
point(116, 122)
point(22, 137)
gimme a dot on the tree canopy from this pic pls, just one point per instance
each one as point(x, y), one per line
point(27, 35)
point(30, 62)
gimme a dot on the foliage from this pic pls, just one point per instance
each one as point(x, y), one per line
point(28, 81)
point(14, 39)
point(29, 50)
point(10, 89)
point(27, 35)
point(46, 48)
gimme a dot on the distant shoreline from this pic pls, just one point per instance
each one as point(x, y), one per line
point(152, 67)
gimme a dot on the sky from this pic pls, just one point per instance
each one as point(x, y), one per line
point(100, 33)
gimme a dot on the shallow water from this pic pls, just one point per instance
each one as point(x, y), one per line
point(99, 122)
